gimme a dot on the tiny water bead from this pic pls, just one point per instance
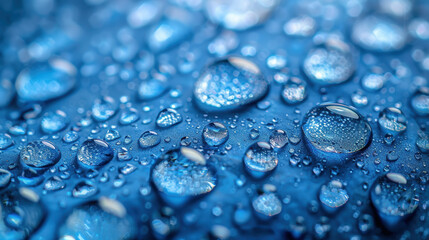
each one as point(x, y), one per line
point(379, 34)
point(22, 213)
point(278, 139)
point(105, 219)
point(39, 154)
point(266, 206)
point(294, 91)
point(229, 84)
point(149, 139)
point(182, 174)
point(215, 134)
point(260, 159)
point(94, 152)
point(335, 131)
point(392, 121)
point(420, 101)
point(53, 122)
point(239, 15)
point(333, 196)
point(168, 117)
point(46, 82)
point(104, 108)
point(331, 63)
point(395, 200)
point(153, 87)
point(5, 141)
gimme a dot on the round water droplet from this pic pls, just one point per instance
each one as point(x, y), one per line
point(420, 101)
point(53, 122)
point(392, 121)
point(335, 131)
point(294, 92)
point(168, 117)
point(229, 84)
point(260, 159)
point(39, 154)
point(103, 219)
point(329, 64)
point(183, 174)
point(5, 177)
point(239, 15)
point(128, 116)
point(104, 108)
point(278, 139)
point(333, 196)
point(94, 152)
point(373, 82)
point(7, 92)
point(149, 139)
point(84, 189)
point(266, 206)
point(153, 87)
point(379, 34)
point(45, 82)
point(215, 134)
point(5, 141)
point(395, 200)
point(70, 137)
point(22, 213)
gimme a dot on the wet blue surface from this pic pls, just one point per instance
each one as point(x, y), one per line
point(89, 35)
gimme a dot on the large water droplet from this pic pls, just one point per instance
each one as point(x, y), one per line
point(105, 219)
point(395, 200)
point(94, 152)
point(5, 141)
point(153, 87)
point(149, 139)
point(183, 174)
point(333, 196)
point(420, 101)
point(39, 154)
point(46, 82)
point(104, 108)
point(53, 122)
point(239, 15)
point(168, 117)
point(215, 134)
point(260, 159)
point(229, 84)
point(379, 34)
point(22, 213)
point(335, 131)
point(332, 63)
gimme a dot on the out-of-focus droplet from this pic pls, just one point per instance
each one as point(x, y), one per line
point(53, 122)
point(153, 87)
point(302, 26)
point(5, 177)
point(260, 159)
point(39, 154)
point(104, 108)
point(7, 92)
point(128, 116)
point(373, 82)
point(267, 206)
point(420, 101)
point(5, 141)
point(333, 196)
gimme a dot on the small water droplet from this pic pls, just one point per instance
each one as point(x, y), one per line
point(94, 152)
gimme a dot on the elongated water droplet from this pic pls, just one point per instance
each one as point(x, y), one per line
point(53, 122)
point(39, 154)
point(5, 141)
point(168, 117)
point(104, 108)
point(94, 152)
point(153, 87)
point(149, 139)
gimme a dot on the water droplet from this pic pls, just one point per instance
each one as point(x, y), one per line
point(70, 137)
point(392, 121)
point(111, 135)
point(329, 64)
point(168, 117)
point(359, 100)
point(5, 141)
point(7, 92)
point(420, 101)
point(168, 34)
point(335, 131)
point(94, 152)
point(278, 139)
point(22, 213)
point(260, 159)
point(53, 122)
point(144, 13)
point(229, 84)
point(153, 87)
point(276, 61)
point(104, 108)
point(302, 26)
point(236, 15)
point(422, 142)
point(183, 174)
point(45, 82)
point(39, 154)
point(267, 205)
point(102, 219)
point(295, 91)
point(149, 139)
point(333, 196)
point(215, 134)
point(379, 34)
point(128, 116)
point(366, 223)
point(395, 200)
point(373, 82)
point(84, 189)
point(5, 177)
point(54, 183)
